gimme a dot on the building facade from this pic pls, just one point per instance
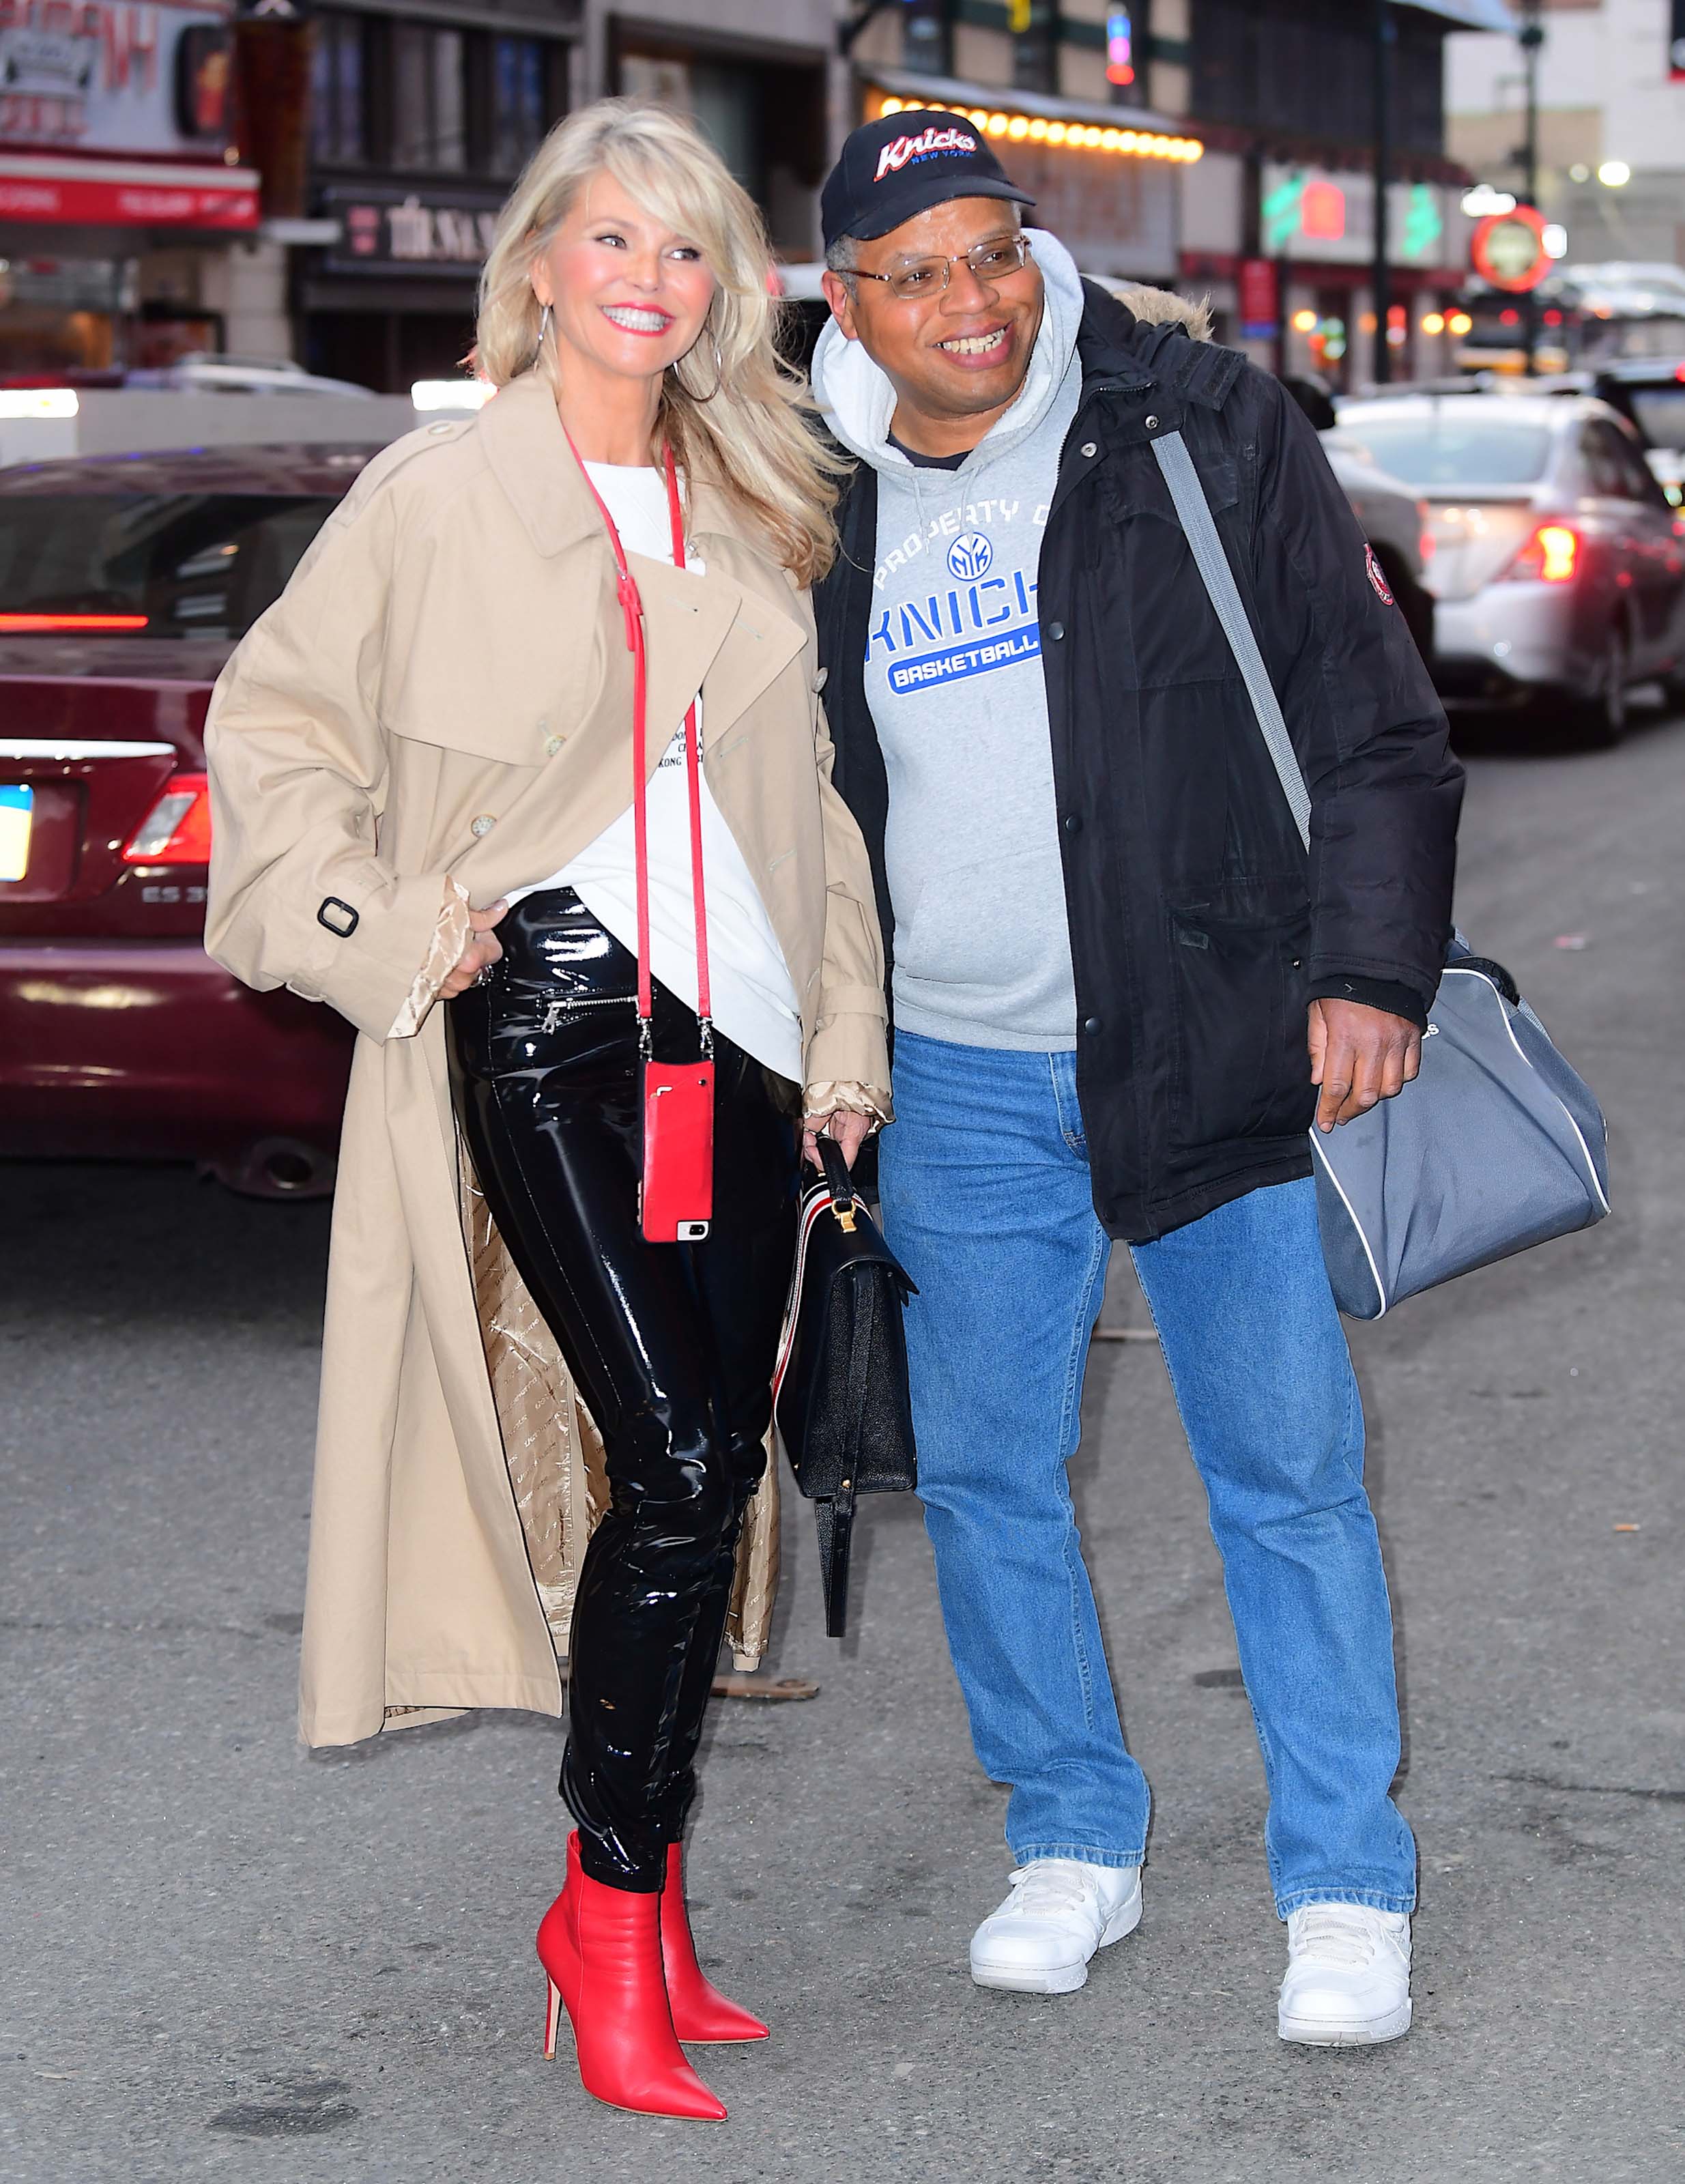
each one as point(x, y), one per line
point(1611, 123)
point(1279, 217)
point(1216, 145)
point(417, 126)
point(122, 194)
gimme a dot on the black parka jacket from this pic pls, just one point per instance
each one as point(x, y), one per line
point(1198, 932)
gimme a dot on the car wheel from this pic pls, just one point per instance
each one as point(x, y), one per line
point(1601, 714)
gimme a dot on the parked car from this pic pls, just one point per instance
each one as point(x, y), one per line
point(125, 584)
point(1559, 563)
point(207, 371)
point(1394, 520)
point(1649, 393)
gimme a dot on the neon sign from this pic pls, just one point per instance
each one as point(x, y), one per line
point(1120, 46)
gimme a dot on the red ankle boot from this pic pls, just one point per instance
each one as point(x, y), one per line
point(602, 1949)
point(700, 2012)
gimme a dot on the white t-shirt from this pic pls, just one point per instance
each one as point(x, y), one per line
point(754, 1000)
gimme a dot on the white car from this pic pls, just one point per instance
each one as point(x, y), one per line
point(1559, 562)
point(204, 372)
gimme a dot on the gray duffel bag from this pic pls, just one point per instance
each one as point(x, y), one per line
point(1498, 1143)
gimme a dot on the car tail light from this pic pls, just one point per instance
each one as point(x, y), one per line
point(177, 830)
point(1550, 555)
point(17, 625)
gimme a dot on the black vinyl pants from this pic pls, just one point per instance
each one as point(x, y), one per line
point(671, 1345)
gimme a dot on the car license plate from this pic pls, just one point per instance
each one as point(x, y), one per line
point(17, 809)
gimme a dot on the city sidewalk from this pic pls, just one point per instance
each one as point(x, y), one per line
point(226, 1959)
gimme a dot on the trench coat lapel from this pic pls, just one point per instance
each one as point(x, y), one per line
point(717, 629)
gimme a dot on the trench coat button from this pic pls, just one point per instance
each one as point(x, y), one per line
point(1055, 631)
point(1091, 449)
point(552, 745)
point(1091, 1025)
point(436, 429)
point(483, 824)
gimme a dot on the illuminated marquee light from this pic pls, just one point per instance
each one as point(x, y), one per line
point(1079, 135)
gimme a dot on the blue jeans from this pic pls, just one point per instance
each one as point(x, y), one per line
point(986, 1197)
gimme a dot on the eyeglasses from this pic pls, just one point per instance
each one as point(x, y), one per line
point(990, 261)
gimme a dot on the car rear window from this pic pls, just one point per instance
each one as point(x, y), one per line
point(153, 565)
point(1661, 411)
point(1452, 448)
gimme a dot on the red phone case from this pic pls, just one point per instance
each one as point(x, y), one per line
point(675, 1199)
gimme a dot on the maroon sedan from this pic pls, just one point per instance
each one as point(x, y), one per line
point(125, 584)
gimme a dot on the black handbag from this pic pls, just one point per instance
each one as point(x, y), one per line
point(839, 1395)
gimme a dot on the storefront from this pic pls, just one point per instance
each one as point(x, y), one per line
point(1104, 179)
point(417, 129)
point(1311, 280)
point(118, 199)
point(394, 300)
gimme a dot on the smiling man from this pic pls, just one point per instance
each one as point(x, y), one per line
point(1122, 998)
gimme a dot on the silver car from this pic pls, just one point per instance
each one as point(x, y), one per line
point(1558, 565)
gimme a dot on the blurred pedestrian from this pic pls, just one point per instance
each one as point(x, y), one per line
point(1119, 1000)
point(423, 764)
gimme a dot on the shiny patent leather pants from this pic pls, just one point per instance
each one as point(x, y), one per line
point(671, 1345)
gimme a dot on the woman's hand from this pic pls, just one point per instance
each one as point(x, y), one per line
point(849, 1129)
point(482, 950)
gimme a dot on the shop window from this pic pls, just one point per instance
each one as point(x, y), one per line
point(338, 125)
point(429, 96)
point(725, 101)
point(766, 118)
point(1034, 25)
point(518, 102)
point(927, 34)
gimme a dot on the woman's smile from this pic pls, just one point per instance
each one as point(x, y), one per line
point(637, 318)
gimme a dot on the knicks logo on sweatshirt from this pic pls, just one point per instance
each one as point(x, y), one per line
point(983, 618)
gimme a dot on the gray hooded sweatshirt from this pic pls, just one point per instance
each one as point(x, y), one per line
point(953, 678)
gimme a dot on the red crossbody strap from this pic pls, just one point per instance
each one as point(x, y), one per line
point(631, 607)
point(694, 771)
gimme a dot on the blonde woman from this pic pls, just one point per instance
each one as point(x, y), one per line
point(422, 762)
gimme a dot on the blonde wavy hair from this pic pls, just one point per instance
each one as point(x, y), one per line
point(754, 436)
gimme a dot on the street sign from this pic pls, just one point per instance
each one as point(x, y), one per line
point(1507, 249)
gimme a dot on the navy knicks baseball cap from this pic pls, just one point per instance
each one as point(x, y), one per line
point(904, 164)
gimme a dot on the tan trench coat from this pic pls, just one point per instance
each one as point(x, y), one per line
point(444, 690)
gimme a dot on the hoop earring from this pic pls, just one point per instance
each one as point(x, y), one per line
point(543, 325)
point(719, 375)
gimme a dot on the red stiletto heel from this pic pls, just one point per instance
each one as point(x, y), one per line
point(601, 1948)
point(701, 2013)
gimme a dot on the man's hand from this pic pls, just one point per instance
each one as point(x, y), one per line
point(1358, 1056)
point(482, 950)
point(849, 1129)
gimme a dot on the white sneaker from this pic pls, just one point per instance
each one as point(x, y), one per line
point(1349, 1975)
point(1058, 1911)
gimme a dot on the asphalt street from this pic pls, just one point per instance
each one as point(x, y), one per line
point(226, 1959)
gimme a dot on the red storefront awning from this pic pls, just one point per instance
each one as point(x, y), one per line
point(38, 188)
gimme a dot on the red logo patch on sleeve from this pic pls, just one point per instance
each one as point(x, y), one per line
point(1375, 577)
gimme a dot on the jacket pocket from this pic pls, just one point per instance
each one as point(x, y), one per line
point(1236, 952)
